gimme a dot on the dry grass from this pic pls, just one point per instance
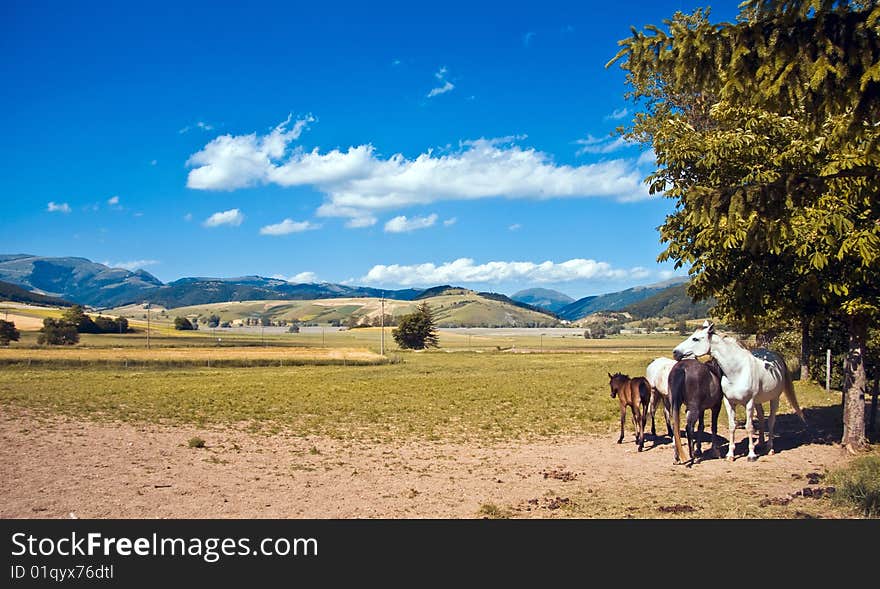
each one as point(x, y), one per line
point(191, 356)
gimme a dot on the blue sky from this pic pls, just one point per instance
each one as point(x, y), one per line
point(408, 144)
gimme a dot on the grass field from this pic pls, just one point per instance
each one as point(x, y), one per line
point(427, 395)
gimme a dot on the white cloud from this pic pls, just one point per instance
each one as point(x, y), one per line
point(601, 145)
point(618, 113)
point(288, 226)
point(648, 158)
point(358, 183)
point(188, 217)
point(232, 217)
point(229, 162)
point(515, 227)
point(300, 278)
point(450, 222)
point(132, 265)
point(464, 270)
point(58, 207)
point(446, 87)
point(360, 222)
point(113, 200)
point(199, 125)
point(402, 225)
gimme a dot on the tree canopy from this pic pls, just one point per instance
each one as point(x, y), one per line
point(8, 332)
point(766, 137)
point(417, 330)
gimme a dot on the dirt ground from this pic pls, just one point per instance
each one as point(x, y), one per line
point(57, 467)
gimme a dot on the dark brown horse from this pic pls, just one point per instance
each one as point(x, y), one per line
point(697, 386)
point(634, 393)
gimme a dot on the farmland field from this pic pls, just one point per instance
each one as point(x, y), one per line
point(484, 433)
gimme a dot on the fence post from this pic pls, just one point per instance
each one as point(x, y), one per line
point(828, 370)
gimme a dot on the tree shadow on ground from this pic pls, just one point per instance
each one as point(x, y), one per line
point(824, 426)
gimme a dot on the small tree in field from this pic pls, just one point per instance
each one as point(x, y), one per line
point(8, 333)
point(183, 324)
point(416, 331)
point(57, 332)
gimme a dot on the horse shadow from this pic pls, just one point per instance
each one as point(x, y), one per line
point(824, 427)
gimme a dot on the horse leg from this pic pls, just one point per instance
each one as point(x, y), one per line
point(700, 437)
point(622, 420)
point(666, 415)
point(637, 423)
point(715, 411)
point(759, 408)
point(731, 422)
point(750, 429)
point(771, 423)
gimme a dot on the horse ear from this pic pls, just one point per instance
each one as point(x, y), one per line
point(709, 326)
point(609, 375)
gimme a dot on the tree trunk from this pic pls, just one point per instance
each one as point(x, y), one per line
point(806, 344)
point(855, 384)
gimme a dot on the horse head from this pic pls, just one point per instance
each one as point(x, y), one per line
point(698, 344)
point(615, 381)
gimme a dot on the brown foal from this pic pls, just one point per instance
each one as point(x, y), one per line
point(634, 393)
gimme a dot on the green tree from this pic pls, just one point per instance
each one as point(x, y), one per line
point(417, 330)
point(183, 324)
point(8, 332)
point(213, 320)
point(77, 317)
point(58, 332)
point(765, 136)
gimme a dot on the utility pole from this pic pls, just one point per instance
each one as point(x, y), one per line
point(322, 336)
point(382, 323)
point(148, 326)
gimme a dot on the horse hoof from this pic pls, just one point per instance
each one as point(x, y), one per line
point(619, 441)
point(730, 458)
point(753, 458)
point(771, 452)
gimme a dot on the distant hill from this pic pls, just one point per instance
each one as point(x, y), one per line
point(453, 307)
point(545, 298)
point(615, 301)
point(90, 283)
point(672, 302)
point(17, 294)
point(76, 279)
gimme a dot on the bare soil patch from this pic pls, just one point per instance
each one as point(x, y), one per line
point(52, 467)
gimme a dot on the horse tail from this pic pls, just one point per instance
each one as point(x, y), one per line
point(676, 399)
point(788, 389)
point(644, 392)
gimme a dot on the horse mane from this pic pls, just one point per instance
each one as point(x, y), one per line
point(729, 338)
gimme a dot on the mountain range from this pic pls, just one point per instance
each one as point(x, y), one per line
point(83, 281)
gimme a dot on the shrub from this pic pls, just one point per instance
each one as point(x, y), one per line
point(182, 324)
point(196, 442)
point(57, 332)
point(858, 485)
point(8, 333)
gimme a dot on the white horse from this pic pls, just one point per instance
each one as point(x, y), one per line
point(750, 379)
point(657, 374)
